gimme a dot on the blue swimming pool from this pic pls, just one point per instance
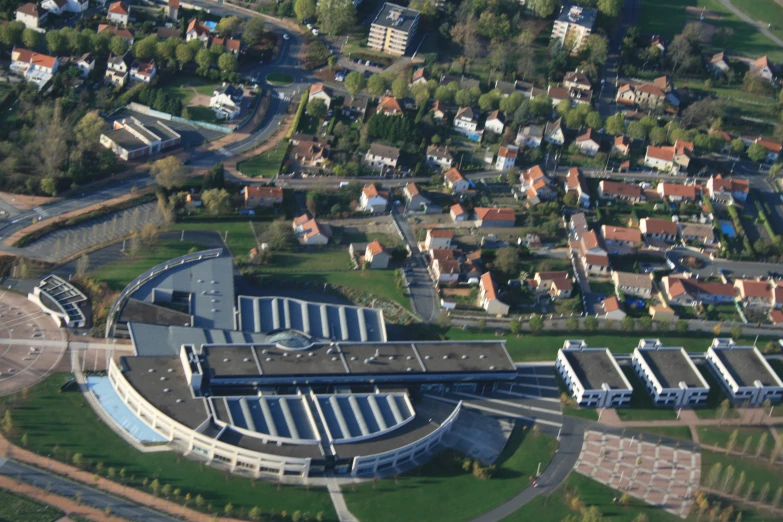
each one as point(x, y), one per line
point(727, 228)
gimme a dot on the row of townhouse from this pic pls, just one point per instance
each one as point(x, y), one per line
point(717, 188)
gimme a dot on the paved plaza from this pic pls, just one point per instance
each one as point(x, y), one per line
point(31, 345)
point(661, 475)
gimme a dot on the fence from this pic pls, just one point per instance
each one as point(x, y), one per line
point(143, 109)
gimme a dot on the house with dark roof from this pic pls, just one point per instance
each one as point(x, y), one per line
point(355, 106)
point(415, 199)
point(382, 156)
point(628, 283)
point(439, 157)
point(554, 133)
point(608, 189)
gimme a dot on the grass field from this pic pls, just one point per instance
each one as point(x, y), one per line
point(280, 79)
point(605, 288)
point(240, 237)
point(765, 12)
point(439, 491)
point(265, 165)
point(186, 87)
point(205, 114)
point(642, 407)
point(668, 17)
point(18, 508)
point(756, 471)
point(556, 507)
point(65, 421)
point(119, 273)
point(674, 432)
point(719, 436)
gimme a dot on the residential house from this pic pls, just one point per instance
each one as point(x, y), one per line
point(621, 146)
point(657, 42)
point(763, 68)
point(117, 69)
point(311, 233)
point(167, 32)
point(630, 284)
point(32, 16)
point(439, 156)
point(262, 196)
point(676, 192)
point(376, 256)
point(626, 95)
point(615, 190)
point(718, 64)
point(536, 185)
point(725, 189)
point(455, 181)
point(458, 213)
point(33, 67)
point(577, 80)
point(507, 156)
point(557, 94)
point(310, 153)
point(143, 71)
point(445, 271)
point(389, 106)
point(557, 284)
point(577, 225)
point(320, 92)
point(772, 146)
point(86, 64)
point(593, 256)
point(669, 158)
point(227, 101)
point(466, 122)
point(393, 29)
point(131, 139)
point(197, 31)
point(119, 13)
point(355, 106)
point(495, 122)
point(438, 238)
point(59, 7)
point(172, 10)
point(620, 237)
point(754, 294)
point(587, 143)
point(660, 229)
point(231, 45)
point(530, 136)
point(488, 296)
point(122, 32)
point(419, 76)
point(573, 26)
point(438, 111)
point(691, 291)
point(505, 88)
point(648, 96)
point(696, 233)
point(373, 200)
point(662, 313)
point(553, 132)
point(382, 157)
point(576, 182)
point(612, 309)
point(415, 200)
point(495, 217)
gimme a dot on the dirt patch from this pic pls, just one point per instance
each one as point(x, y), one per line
point(25, 202)
point(697, 13)
point(199, 100)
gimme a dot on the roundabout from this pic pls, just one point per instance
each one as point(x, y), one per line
point(278, 79)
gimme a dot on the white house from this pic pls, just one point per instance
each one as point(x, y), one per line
point(744, 373)
point(495, 122)
point(530, 136)
point(416, 201)
point(143, 72)
point(488, 296)
point(117, 69)
point(59, 7)
point(34, 67)
point(507, 156)
point(612, 309)
point(455, 181)
point(553, 132)
point(439, 156)
point(720, 188)
point(466, 121)
point(372, 200)
point(587, 143)
point(118, 13)
point(86, 64)
point(630, 284)
point(671, 378)
point(319, 92)
point(763, 68)
point(311, 233)
point(32, 16)
point(227, 101)
point(197, 31)
point(438, 238)
point(576, 182)
point(381, 156)
point(592, 376)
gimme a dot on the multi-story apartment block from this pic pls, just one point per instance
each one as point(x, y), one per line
point(573, 26)
point(393, 29)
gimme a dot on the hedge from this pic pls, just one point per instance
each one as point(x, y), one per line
point(298, 117)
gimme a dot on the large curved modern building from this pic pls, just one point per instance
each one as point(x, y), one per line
point(275, 385)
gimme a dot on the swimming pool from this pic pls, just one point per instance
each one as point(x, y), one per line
point(727, 228)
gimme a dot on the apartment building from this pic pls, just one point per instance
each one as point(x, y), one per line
point(393, 29)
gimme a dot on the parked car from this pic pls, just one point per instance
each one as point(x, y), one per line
point(285, 36)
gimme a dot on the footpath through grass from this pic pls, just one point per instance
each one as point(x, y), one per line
point(119, 273)
point(265, 165)
point(441, 491)
point(18, 508)
point(63, 424)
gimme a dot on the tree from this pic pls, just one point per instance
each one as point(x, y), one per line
point(304, 9)
point(487, 102)
point(118, 45)
point(281, 236)
point(217, 201)
point(89, 129)
point(185, 54)
point(723, 409)
point(145, 49)
point(316, 108)
point(544, 8)
point(49, 186)
point(8, 422)
point(507, 260)
point(335, 16)
point(594, 120)
point(253, 31)
point(77, 459)
point(572, 323)
point(168, 172)
point(515, 326)
point(757, 152)
point(627, 324)
point(227, 63)
point(732, 441)
point(148, 235)
point(597, 49)
point(481, 324)
point(399, 87)
point(763, 493)
point(591, 323)
point(761, 444)
point(376, 85)
point(610, 8)
point(204, 59)
point(229, 26)
point(737, 146)
point(657, 136)
point(713, 476)
point(615, 125)
point(31, 38)
point(354, 82)
point(571, 198)
point(55, 42)
point(536, 324)
point(254, 513)
point(444, 320)
point(82, 265)
point(509, 104)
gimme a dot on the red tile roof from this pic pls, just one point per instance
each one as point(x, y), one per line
point(453, 176)
point(658, 226)
point(753, 288)
point(615, 188)
point(457, 210)
point(443, 233)
point(370, 190)
point(677, 190)
point(507, 152)
point(629, 235)
point(611, 304)
point(118, 8)
point(661, 153)
point(495, 214)
point(375, 247)
point(489, 286)
point(258, 191)
point(389, 105)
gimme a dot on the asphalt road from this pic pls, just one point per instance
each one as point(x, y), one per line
point(91, 497)
point(422, 290)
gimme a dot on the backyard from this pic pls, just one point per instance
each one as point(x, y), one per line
point(80, 431)
point(265, 165)
point(441, 491)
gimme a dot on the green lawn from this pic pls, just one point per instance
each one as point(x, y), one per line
point(186, 86)
point(120, 273)
point(674, 432)
point(605, 288)
point(441, 491)
point(240, 237)
point(544, 347)
point(668, 17)
point(281, 79)
point(756, 471)
point(557, 506)
point(309, 260)
point(205, 114)
point(15, 507)
point(65, 421)
point(642, 407)
point(719, 436)
point(764, 12)
point(265, 165)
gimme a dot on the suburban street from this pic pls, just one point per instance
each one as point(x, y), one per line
point(422, 290)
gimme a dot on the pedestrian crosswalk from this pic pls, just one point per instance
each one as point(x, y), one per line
point(224, 152)
point(41, 212)
point(281, 96)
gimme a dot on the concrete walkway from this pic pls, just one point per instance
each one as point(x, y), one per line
point(343, 514)
point(760, 28)
point(688, 418)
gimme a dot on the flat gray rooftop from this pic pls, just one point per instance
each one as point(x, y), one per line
point(746, 367)
point(152, 339)
point(595, 368)
point(671, 367)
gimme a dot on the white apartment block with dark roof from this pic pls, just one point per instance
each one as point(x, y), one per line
point(744, 373)
point(592, 376)
point(573, 26)
point(393, 29)
point(669, 375)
